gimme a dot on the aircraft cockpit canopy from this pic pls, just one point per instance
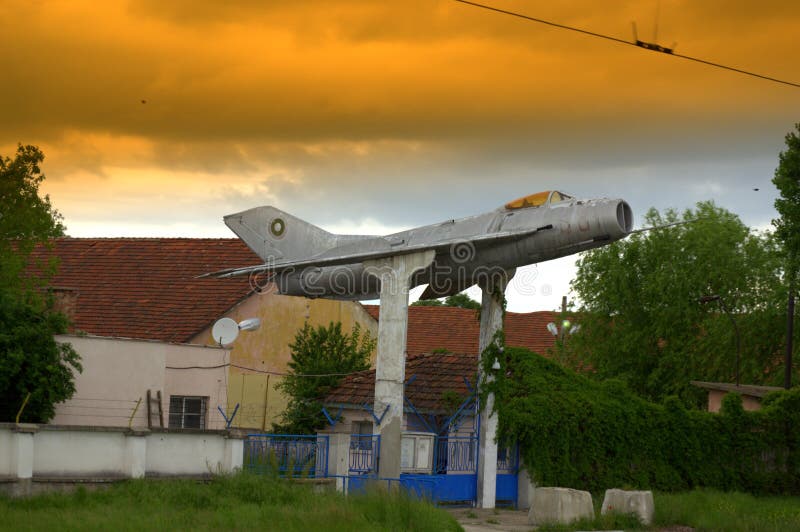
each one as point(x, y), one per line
point(538, 199)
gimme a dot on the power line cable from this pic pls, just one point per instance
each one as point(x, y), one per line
point(278, 373)
point(638, 44)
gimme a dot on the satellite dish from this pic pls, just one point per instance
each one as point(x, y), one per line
point(251, 324)
point(225, 331)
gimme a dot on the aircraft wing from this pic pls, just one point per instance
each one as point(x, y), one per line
point(645, 229)
point(357, 257)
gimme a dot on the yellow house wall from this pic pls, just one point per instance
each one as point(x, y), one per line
point(264, 354)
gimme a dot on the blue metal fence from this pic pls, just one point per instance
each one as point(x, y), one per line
point(364, 452)
point(421, 486)
point(455, 463)
point(455, 454)
point(508, 459)
point(453, 482)
point(292, 455)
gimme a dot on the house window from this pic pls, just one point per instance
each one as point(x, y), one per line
point(362, 427)
point(187, 412)
point(364, 431)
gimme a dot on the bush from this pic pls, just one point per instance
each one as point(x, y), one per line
point(579, 433)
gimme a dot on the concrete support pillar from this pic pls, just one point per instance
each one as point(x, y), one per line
point(136, 453)
point(395, 275)
point(22, 450)
point(491, 321)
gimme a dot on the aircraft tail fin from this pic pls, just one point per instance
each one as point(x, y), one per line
point(275, 235)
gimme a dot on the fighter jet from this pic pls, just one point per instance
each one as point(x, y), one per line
point(302, 259)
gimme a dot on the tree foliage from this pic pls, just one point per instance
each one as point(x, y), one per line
point(324, 351)
point(461, 300)
point(787, 181)
point(26, 218)
point(31, 361)
point(641, 319)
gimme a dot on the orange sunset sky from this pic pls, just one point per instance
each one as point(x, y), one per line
point(365, 116)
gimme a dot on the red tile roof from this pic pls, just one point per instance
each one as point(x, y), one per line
point(146, 287)
point(457, 329)
point(432, 374)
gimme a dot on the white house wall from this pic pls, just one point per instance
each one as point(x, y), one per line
point(118, 372)
point(211, 383)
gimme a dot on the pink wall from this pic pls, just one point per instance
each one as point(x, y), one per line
point(118, 372)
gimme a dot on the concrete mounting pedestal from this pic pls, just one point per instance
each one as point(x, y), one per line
point(560, 505)
point(491, 322)
point(390, 368)
point(638, 503)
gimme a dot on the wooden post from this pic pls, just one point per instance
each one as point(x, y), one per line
point(149, 413)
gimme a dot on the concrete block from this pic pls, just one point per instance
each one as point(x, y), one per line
point(639, 503)
point(560, 505)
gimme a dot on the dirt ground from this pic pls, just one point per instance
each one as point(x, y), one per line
point(480, 520)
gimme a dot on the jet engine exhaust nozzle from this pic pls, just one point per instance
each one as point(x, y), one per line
point(624, 217)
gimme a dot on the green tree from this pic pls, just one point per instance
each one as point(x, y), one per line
point(461, 300)
point(641, 319)
point(787, 228)
point(320, 358)
point(428, 303)
point(31, 361)
point(26, 218)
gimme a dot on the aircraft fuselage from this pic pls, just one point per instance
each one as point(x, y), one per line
point(467, 249)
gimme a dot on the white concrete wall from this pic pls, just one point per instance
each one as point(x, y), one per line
point(118, 372)
point(184, 454)
point(69, 453)
point(6, 457)
point(62, 452)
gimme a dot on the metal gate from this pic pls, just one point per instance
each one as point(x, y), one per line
point(454, 481)
point(455, 466)
point(507, 471)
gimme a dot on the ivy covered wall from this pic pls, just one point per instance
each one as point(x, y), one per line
point(578, 433)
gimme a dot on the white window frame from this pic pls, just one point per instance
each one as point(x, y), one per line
point(183, 414)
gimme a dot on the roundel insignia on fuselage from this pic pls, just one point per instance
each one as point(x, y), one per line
point(277, 227)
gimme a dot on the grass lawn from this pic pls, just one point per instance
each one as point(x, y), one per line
point(237, 502)
point(715, 510)
point(704, 510)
